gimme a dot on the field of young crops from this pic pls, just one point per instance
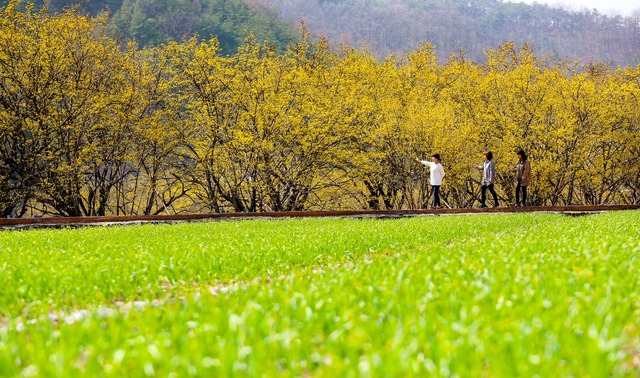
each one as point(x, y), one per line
point(481, 295)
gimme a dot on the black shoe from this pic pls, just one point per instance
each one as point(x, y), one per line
point(482, 206)
point(496, 205)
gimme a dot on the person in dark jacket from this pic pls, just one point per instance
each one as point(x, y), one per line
point(523, 176)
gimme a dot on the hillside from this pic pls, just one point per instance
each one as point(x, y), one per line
point(151, 22)
point(385, 26)
point(393, 26)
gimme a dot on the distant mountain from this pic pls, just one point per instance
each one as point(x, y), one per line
point(393, 26)
point(386, 26)
point(151, 22)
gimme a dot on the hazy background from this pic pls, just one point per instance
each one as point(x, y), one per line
point(622, 7)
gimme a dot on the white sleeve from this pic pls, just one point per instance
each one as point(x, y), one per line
point(427, 163)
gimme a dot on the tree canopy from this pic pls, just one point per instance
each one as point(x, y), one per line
point(88, 127)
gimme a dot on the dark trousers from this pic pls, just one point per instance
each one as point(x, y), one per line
point(436, 195)
point(493, 193)
point(524, 194)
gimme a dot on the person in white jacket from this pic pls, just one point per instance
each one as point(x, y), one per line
point(436, 173)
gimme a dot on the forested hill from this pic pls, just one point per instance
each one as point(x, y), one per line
point(151, 22)
point(389, 26)
point(386, 26)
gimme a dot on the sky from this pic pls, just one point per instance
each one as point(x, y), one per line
point(609, 7)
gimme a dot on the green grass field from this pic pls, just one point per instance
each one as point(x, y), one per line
point(481, 295)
